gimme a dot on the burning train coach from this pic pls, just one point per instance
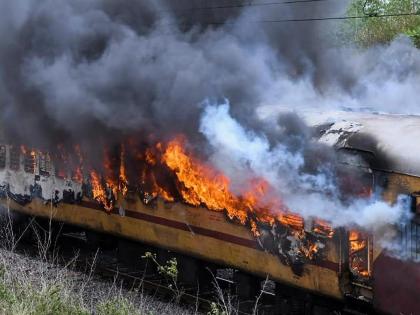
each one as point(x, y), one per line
point(163, 195)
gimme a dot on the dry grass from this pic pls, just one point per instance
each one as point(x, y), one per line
point(39, 286)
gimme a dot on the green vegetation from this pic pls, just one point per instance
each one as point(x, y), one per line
point(169, 271)
point(18, 297)
point(25, 298)
point(379, 30)
point(117, 306)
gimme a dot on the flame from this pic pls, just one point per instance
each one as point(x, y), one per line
point(356, 241)
point(150, 157)
point(123, 181)
point(293, 220)
point(201, 185)
point(78, 175)
point(110, 178)
point(99, 192)
point(358, 253)
point(323, 227)
point(159, 191)
point(171, 172)
point(29, 159)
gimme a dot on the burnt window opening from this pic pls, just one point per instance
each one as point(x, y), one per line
point(410, 240)
point(415, 204)
point(29, 162)
point(356, 158)
point(2, 156)
point(355, 177)
point(44, 165)
point(60, 168)
point(360, 255)
point(14, 158)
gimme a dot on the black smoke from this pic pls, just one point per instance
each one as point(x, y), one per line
point(95, 71)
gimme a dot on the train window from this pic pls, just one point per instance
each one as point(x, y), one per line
point(355, 158)
point(415, 203)
point(44, 164)
point(29, 161)
point(355, 176)
point(14, 158)
point(360, 252)
point(2, 156)
point(410, 240)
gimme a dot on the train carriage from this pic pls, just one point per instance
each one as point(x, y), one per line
point(304, 254)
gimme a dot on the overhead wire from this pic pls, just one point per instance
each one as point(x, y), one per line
point(323, 18)
point(289, 20)
point(242, 5)
point(286, 20)
point(314, 19)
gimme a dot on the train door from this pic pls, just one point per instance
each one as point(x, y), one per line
point(360, 255)
point(356, 180)
point(396, 277)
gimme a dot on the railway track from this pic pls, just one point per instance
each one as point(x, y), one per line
point(105, 256)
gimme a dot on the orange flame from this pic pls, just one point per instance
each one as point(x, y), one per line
point(198, 184)
point(358, 253)
point(356, 240)
point(99, 193)
point(201, 185)
point(322, 227)
point(123, 181)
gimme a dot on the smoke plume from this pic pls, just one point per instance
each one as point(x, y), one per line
point(95, 71)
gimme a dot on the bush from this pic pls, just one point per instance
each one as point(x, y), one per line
point(380, 30)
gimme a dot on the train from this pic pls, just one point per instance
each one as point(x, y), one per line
point(307, 255)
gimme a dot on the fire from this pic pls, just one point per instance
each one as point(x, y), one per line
point(356, 241)
point(100, 193)
point(159, 191)
point(199, 184)
point(322, 227)
point(293, 220)
point(359, 253)
point(169, 171)
point(78, 175)
point(123, 181)
point(29, 159)
point(110, 178)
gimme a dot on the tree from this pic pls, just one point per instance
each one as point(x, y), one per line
point(378, 30)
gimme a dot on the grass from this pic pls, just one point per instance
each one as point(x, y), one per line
point(21, 297)
point(40, 286)
point(18, 297)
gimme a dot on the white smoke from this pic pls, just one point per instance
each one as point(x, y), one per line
point(240, 153)
point(383, 77)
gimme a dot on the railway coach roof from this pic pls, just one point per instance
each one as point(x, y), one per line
point(394, 140)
